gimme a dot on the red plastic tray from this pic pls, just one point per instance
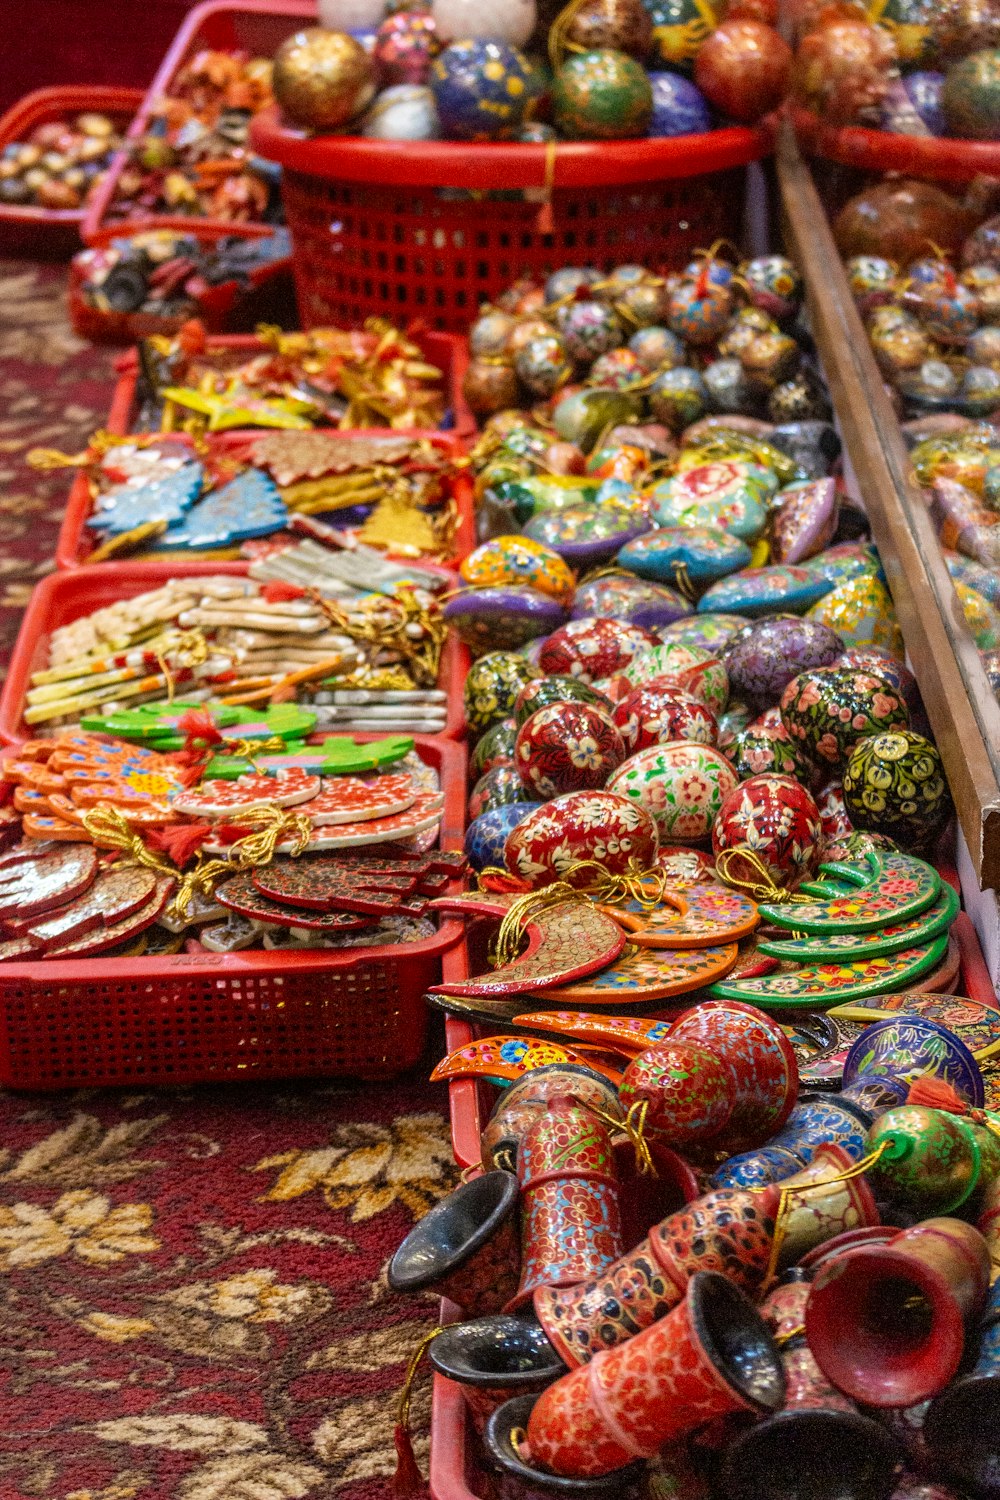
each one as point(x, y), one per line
point(75, 542)
point(401, 229)
point(63, 597)
point(255, 26)
point(220, 307)
point(446, 351)
point(454, 1473)
point(54, 233)
point(880, 151)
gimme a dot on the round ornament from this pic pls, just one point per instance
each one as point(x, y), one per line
point(615, 25)
point(405, 45)
point(683, 786)
point(619, 369)
point(765, 747)
point(699, 311)
point(486, 835)
point(743, 69)
point(970, 96)
point(567, 747)
point(616, 832)
point(894, 784)
point(763, 662)
point(489, 333)
point(653, 715)
point(405, 112)
point(569, 280)
point(692, 668)
point(711, 633)
point(828, 711)
point(593, 649)
point(879, 662)
point(510, 21)
point(727, 386)
point(729, 494)
point(862, 613)
point(677, 397)
point(589, 329)
point(491, 688)
point(773, 284)
point(602, 95)
point(502, 617)
point(518, 559)
point(680, 28)
point(482, 90)
point(541, 364)
point(322, 78)
point(776, 819)
point(543, 691)
point(489, 387)
point(679, 106)
point(923, 90)
point(495, 748)
point(498, 787)
point(656, 348)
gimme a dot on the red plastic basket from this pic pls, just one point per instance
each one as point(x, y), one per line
point(254, 26)
point(432, 229)
point(449, 354)
point(54, 233)
point(63, 597)
point(75, 542)
point(880, 151)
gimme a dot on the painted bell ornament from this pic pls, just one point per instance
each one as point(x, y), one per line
point(465, 1248)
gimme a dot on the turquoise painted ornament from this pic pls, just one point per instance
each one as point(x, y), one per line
point(762, 591)
point(728, 494)
point(482, 90)
point(491, 688)
point(862, 613)
point(828, 710)
point(688, 557)
point(601, 95)
point(168, 498)
point(894, 784)
point(249, 506)
point(682, 784)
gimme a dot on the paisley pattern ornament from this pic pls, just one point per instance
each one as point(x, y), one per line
point(681, 784)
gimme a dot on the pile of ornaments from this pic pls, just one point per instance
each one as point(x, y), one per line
point(588, 351)
point(905, 66)
point(114, 846)
point(60, 163)
point(614, 69)
point(193, 156)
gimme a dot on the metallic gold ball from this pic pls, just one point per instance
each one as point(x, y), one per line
point(322, 78)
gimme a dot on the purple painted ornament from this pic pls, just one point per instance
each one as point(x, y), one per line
point(804, 521)
point(504, 618)
point(763, 662)
point(634, 600)
point(679, 106)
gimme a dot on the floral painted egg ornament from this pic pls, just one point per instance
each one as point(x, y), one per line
point(776, 820)
point(593, 649)
point(492, 686)
point(894, 784)
point(652, 715)
point(600, 826)
point(828, 711)
point(567, 747)
point(683, 785)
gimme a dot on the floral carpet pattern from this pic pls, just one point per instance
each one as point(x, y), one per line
point(193, 1298)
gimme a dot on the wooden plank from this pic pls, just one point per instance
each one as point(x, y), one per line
point(963, 711)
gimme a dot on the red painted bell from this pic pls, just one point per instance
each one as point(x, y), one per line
point(887, 1322)
point(762, 1060)
point(688, 1091)
point(710, 1356)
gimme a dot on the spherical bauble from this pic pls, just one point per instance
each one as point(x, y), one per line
point(618, 25)
point(350, 15)
point(589, 329)
point(653, 715)
point(679, 106)
point(743, 69)
point(489, 387)
point(405, 45)
point(405, 112)
point(491, 688)
point(678, 397)
point(322, 78)
point(775, 819)
point(567, 747)
point(894, 784)
point(970, 96)
point(482, 90)
point(510, 21)
point(602, 95)
point(828, 711)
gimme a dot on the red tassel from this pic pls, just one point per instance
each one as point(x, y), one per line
point(179, 843)
point(545, 223)
point(277, 592)
point(936, 1093)
point(191, 773)
point(407, 1483)
point(198, 724)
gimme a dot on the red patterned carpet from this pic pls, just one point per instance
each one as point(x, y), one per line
point(193, 1303)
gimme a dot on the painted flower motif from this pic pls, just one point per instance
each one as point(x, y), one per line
point(883, 704)
point(584, 752)
point(808, 695)
point(827, 747)
point(82, 1222)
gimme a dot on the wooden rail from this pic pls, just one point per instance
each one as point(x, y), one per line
point(963, 711)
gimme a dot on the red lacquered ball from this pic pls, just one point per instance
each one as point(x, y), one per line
point(567, 747)
point(743, 69)
point(776, 819)
point(652, 715)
